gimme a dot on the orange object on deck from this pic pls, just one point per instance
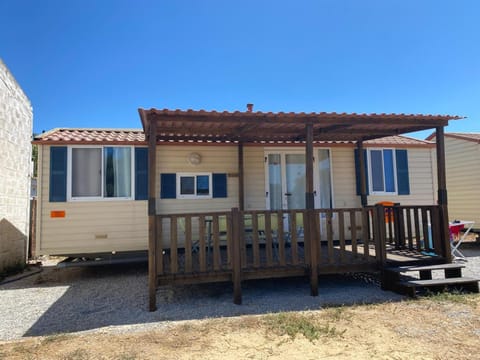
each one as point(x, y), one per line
point(388, 210)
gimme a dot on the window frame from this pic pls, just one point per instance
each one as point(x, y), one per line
point(71, 198)
point(370, 172)
point(194, 175)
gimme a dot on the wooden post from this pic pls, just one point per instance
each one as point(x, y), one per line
point(310, 205)
point(380, 237)
point(363, 176)
point(399, 226)
point(152, 230)
point(236, 258)
point(241, 179)
point(442, 194)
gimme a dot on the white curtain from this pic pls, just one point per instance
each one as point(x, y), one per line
point(118, 165)
point(275, 181)
point(86, 172)
point(325, 179)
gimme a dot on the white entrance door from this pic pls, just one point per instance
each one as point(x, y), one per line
point(285, 180)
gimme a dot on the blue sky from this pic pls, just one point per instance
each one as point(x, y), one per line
point(93, 63)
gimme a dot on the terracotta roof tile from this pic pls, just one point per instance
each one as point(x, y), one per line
point(475, 137)
point(466, 136)
point(91, 136)
point(398, 140)
point(179, 112)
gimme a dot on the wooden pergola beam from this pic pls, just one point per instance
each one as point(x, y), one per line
point(363, 176)
point(442, 192)
point(311, 222)
point(152, 230)
point(241, 179)
point(326, 119)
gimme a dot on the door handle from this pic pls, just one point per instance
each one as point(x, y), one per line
point(288, 194)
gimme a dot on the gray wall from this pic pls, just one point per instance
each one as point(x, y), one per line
point(15, 169)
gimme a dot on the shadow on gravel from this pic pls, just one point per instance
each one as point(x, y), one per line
point(117, 295)
point(77, 299)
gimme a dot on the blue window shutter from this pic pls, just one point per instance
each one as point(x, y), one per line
point(58, 174)
point(403, 183)
point(168, 186)
point(141, 173)
point(219, 185)
point(357, 170)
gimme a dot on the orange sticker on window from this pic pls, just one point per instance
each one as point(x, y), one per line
point(57, 214)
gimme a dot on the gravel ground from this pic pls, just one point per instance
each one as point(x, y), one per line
point(114, 299)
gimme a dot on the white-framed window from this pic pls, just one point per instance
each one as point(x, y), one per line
point(102, 172)
point(194, 185)
point(382, 171)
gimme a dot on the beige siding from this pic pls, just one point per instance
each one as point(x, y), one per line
point(343, 173)
point(254, 178)
point(104, 226)
point(214, 159)
point(463, 173)
point(344, 182)
point(89, 226)
point(421, 175)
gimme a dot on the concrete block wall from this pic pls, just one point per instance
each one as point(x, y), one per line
point(15, 169)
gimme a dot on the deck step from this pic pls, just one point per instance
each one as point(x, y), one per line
point(402, 279)
point(436, 282)
point(401, 269)
point(410, 287)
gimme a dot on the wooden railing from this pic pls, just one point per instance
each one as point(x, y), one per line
point(194, 243)
point(236, 245)
point(204, 242)
point(417, 228)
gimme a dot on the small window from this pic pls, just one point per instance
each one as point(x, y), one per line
point(382, 170)
point(194, 186)
point(101, 172)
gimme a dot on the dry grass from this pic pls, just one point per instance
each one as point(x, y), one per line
point(444, 326)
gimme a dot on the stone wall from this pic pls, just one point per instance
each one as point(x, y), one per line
point(15, 169)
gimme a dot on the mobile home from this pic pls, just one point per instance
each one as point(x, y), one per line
point(232, 196)
point(93, 189)
point(462, 161)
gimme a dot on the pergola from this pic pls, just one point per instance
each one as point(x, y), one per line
point(240, 128)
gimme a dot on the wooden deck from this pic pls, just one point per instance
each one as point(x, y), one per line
point(236, 246)
point(340, 257)
point(342, 261)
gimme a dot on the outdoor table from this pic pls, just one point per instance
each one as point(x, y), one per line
point(455, 228)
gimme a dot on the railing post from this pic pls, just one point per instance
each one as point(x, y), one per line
point(380, 234)
point(312, 240)
point(399, 226)
point(236, 257)
point(435, 231)
point(444, 233)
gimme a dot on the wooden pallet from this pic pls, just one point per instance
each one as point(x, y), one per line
point(404, 280)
